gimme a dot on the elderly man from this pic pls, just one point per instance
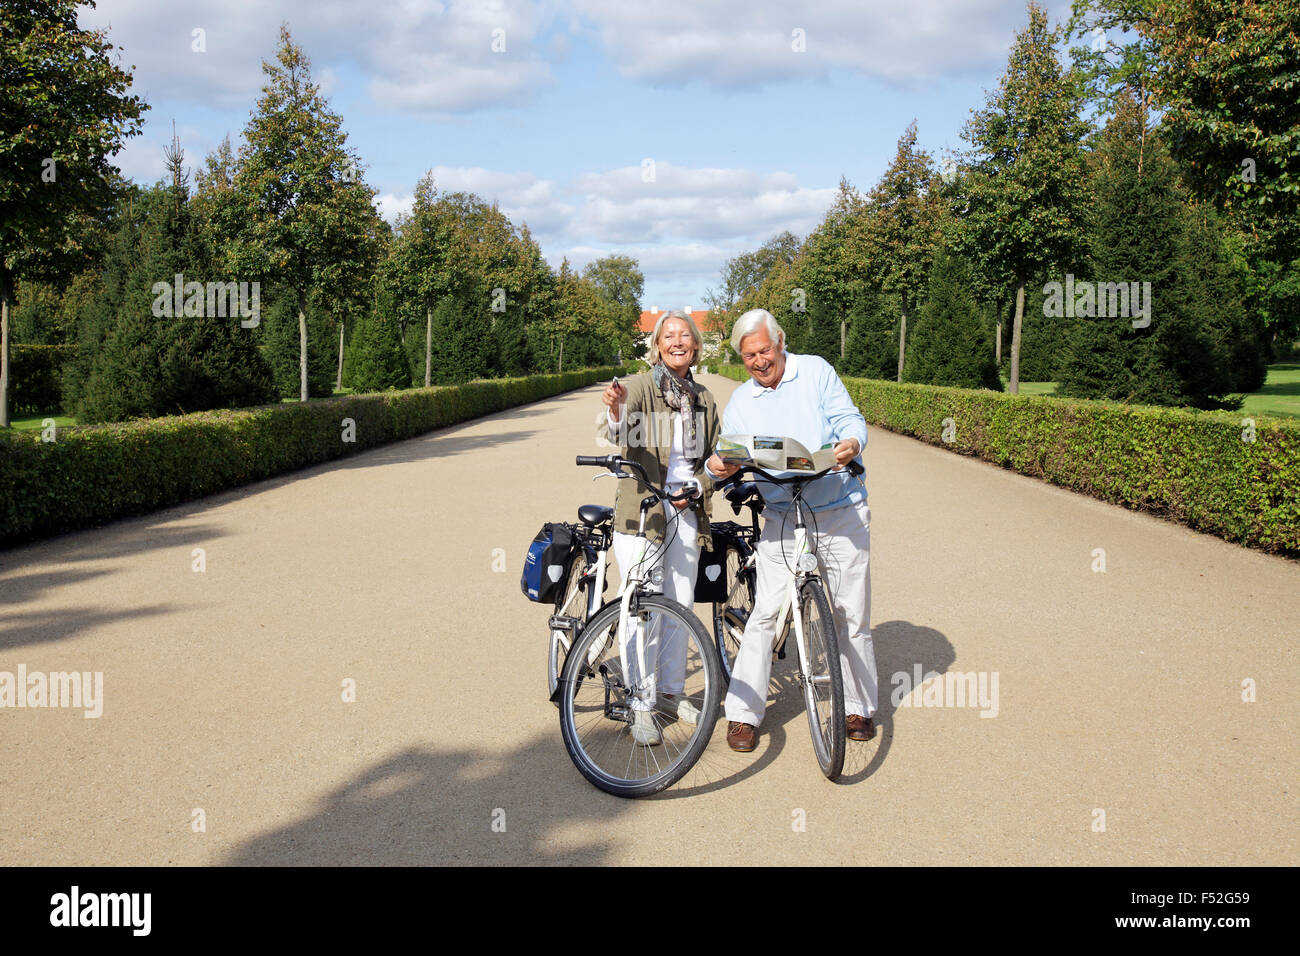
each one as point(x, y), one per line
point(801, 397)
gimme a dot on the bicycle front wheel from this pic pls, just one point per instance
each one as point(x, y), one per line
point(823, 687)
point(730, 617)
point(636, 714)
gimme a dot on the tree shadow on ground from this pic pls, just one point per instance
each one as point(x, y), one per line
point(426, 807)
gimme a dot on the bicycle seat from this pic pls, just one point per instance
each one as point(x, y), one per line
point(744, 492)
point(592, 515)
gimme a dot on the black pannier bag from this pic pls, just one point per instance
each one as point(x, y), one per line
point(711, 575)
point(547, 562)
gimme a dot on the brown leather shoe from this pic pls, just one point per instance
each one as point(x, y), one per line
point(741, 738)
point(857, 727)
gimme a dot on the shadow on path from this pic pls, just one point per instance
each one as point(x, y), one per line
point(424, 806)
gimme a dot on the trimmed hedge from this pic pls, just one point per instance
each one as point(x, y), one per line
point(91, 474)
point(36, 378)
point(1189, 466)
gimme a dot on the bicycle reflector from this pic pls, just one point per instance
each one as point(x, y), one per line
point(807, 561)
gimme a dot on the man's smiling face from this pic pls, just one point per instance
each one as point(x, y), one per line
point(763, 358)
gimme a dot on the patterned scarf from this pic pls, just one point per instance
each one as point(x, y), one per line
point(679, 393)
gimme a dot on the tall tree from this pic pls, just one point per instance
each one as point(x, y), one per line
point(64, 110)
point(902, 226)
point(1228, 78)
point(1024, 195)
point(1180, 347)
point(619, 285)
point(832, 267)
point(298, 212)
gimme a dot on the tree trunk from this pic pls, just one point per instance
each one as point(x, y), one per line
point(902, 339)
point(844, 334)
point(338, 384)
point(1013, 386)
point(4, 349)
point(302, 348)
point(428, 345)
point(560, 366)
point(997, 341)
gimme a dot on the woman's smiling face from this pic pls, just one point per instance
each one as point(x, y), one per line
point(676, 346)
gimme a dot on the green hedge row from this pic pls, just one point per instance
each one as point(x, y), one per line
point(36, 377)
point(1197, 468)
point(91, 474)
point(737, 372)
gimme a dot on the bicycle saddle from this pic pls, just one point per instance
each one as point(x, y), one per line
point(592, 515)
point(743, 492)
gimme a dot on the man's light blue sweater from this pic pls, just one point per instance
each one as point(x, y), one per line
point(811, 405)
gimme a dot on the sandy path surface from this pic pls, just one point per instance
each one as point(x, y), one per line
point(223, 690)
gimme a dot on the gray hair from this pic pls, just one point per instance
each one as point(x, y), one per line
point(751, 322)
point(696, 337)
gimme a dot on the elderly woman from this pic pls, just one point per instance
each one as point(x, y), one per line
point(667, 422)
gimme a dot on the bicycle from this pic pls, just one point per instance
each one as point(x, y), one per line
point(584, 589)
point(813, 626)
point(618, 692)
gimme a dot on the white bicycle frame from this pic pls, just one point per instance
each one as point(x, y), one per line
point(787, 616)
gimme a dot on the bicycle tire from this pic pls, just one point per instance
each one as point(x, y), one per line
point(730, 616)
point(825, 710)
point(595, 706)
point(571, 602)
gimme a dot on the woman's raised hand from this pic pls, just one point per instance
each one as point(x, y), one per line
point(614, 396)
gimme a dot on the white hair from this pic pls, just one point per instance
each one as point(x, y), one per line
point(751, 322)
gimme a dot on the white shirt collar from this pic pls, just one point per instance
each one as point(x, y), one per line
point(791, 370)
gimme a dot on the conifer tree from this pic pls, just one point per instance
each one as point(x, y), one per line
point(950, 342)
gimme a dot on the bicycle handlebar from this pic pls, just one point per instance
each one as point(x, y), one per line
point(616, 464)
point(853, 468)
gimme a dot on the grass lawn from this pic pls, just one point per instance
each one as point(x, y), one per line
point(37, 423)
point(1035, 388)
point(1280, 394)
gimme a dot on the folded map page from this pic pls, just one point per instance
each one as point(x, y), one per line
point(773, 453)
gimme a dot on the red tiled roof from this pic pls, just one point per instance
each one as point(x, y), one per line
point(648, 319)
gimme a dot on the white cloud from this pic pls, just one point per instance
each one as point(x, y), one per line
point(620, 206)
point(680, 228)
point(745, 43)
point(419, 56)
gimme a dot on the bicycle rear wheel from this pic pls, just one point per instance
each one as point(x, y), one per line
point(730, 617)
point(823, 687)
point(602, 690)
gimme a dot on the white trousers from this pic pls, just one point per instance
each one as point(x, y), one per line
point(664, 643)
point(843, 545)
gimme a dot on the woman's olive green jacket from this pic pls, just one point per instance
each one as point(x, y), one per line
point(645, 435)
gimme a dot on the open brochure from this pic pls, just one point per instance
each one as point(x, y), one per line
point(774, 454)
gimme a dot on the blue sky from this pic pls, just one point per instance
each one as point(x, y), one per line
point(748, 113)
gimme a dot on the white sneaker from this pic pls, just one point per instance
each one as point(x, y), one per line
point(644, 729)
point(682, 707)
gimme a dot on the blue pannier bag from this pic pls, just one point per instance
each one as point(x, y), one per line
point(547, 562)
